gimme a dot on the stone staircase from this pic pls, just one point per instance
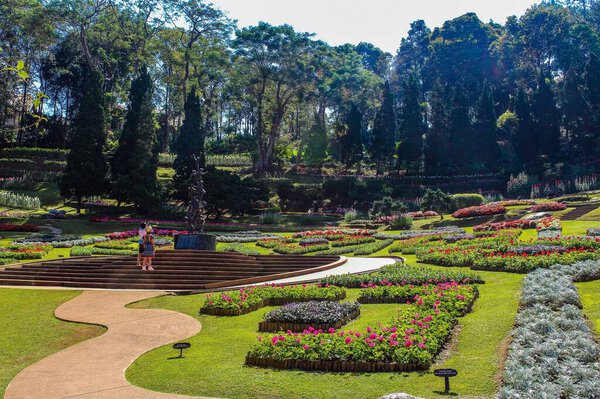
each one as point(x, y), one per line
point(184, 270)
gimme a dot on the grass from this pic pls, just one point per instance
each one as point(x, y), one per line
point(30, 331)
point(593, 216)
point(213, 366)
point(591, 302)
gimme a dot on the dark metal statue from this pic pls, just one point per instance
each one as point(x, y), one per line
point(196, 213)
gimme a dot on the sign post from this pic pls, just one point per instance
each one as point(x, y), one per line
point(446, 373)
point(181, 346)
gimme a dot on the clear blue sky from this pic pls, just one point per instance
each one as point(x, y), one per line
point(381, 22)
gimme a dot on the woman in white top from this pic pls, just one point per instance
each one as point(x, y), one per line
point(141, 234)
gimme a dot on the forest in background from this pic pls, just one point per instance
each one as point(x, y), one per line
point(465, 98)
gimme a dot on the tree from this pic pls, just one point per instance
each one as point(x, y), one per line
point(272, 64)
point(383, 135)
point(460, 133)
point(525, 138)
point(136, 158)
point(316, 146)
point(351, 139)
point(87, 169)
point(592, 96)
point(437, 201)
point(485, 129)
point(412, 127)
point(436, 139)
point(386, 207)
point(190, 142)
point(546, 118)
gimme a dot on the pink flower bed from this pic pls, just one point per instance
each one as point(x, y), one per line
point(482, 210)
point(514, 224)
point(548, 206)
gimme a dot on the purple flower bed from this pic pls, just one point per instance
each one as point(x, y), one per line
point(313, 312)
point(538, 249)
point(313, 241)
point(458, 237)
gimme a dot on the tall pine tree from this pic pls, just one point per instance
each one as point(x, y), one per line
point(436, 140)
point(485, 129)
point(136, 159)
point(460, 133)
point(526, 138)
point(316, 143)
point(547, 120)
point(412, 127)
point(592, 96)
point(190, 142)
point(351, 140)
point(86, 171)
point(576, 118)
point(383, 135)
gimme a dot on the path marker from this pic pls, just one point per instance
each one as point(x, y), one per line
point(446, 373)
point(181, 346)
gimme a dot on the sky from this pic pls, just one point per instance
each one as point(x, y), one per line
point(381, 22)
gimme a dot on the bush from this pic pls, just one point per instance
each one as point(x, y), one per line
point(48, 153)
point(350, 216)
point(519, 186)
point(13, 200)
point(460, 201)
point(269, 218)
point(386, 207)
point(401, 222)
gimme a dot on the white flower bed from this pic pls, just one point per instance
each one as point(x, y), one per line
point(421, 233)
point(67, 244)
point(245, 236)
point(553, 353)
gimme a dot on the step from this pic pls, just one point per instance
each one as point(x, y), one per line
point(69, 284)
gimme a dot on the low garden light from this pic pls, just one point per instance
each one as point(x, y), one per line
point(181, 346)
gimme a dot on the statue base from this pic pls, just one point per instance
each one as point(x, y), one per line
point(200, 242)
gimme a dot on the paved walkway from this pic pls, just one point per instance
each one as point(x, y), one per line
point(95, 369)
point(352, 265)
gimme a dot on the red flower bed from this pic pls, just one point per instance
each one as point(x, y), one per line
point(482, 210)
point(548, 206)
point(515, 224)
point(19, 227)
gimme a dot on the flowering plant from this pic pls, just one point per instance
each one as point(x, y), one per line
point(548, 206)
point(312, 312)
point(481, 210)
point(514, 224)
point(549, 223)
point(18, 227)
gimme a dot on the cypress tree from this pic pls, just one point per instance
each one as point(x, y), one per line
point(383, 135)
point(526, 138)
point(316, 147)
point(485, 128)
point(351, 140)
point(190, 142)
point(546, 118)
point(592, 95)
point(576, 117)
point(136, 159)
point(461, 142)
point(412, 126)
point(86, 171)
point(436, 139)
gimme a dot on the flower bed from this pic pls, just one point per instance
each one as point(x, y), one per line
point(593, 232)
point(245, 236)
point(580, 271)
point(409, 343)
point(520, 202)
point(458, 237)
point(352, 240)
point(313, 241)
point(340, 233)
point(61, 241)
point(553, 350)
point(246, 300)
point(320, 315)
point(88, 251)
point(548, 207)
point(19, 227)
point(421, 233)
point(14, 214)
point(421, 214)
point(401, 274)
point(481, 210)
point(514, 224)
point(548, 224)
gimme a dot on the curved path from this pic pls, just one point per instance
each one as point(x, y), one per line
point(96, 368)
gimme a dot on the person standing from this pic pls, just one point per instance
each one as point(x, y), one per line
point(148, 249)
point(141, 234)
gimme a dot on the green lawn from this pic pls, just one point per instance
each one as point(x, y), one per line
point(593, 216)
point(590, 299)
point(30, 331)
point(214, 364)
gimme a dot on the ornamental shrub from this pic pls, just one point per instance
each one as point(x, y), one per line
point(483, 210)
point(312, 312)
point(548, 207)
point(402, 222)
point(465, 200)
